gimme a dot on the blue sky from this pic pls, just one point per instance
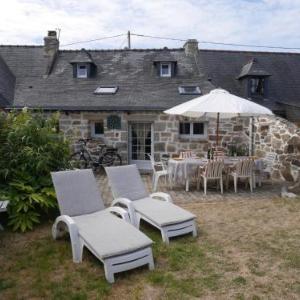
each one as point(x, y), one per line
point(261, 22)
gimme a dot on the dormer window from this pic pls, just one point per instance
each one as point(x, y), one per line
point(165, 70)
point(83, 65)
point(82, 71)
point(257, 86)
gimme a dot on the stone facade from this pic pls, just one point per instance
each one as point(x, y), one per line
point(277, 135)
point(270, 135)
point(166, 138)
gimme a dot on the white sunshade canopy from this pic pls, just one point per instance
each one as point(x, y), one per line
point(219, 101)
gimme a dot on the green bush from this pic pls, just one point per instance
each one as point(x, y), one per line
point(30, 148)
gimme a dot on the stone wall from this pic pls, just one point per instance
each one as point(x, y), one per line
point(277, 135)
point(77, 125)
point(270, 135)
point(168, 141)
point(166, 138)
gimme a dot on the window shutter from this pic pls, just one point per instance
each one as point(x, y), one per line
point(74, 70)
point(88, 69)
point(93, 70)
point(173, 69)
point(157, 65)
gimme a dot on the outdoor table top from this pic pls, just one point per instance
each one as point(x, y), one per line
point(201, 161)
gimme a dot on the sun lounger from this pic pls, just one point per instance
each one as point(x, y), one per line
point(157, 209)
point(115, 242)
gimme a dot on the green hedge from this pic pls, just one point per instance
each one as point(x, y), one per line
point(30, 148)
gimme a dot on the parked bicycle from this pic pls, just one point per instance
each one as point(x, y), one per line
point(82, 159)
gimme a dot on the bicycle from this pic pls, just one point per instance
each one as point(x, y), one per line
point(82, 159)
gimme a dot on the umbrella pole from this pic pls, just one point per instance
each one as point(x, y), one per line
point(217, 138)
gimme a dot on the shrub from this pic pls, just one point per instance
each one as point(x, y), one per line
point(30, 148)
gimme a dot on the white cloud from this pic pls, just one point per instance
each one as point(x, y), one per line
point(273, 22)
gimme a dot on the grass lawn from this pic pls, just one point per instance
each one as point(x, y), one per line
point(245, 250)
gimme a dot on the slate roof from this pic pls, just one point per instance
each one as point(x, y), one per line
point(7, 84)
point(139, 86)
point(133, 71)
point(224, 66)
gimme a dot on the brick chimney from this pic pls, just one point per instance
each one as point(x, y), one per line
point(51, 43)
point(191, 47)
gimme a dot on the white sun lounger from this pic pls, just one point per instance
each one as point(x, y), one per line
point(115, 242)
point(157, 209)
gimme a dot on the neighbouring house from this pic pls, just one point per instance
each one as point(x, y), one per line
point(118, 96)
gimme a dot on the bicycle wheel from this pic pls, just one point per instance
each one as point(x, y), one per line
point(111, 159)
point(78, 161)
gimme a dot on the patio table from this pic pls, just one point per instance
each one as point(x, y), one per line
point(181, 170)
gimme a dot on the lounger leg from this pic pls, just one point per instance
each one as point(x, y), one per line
point(164, 236)
point(151, 261)
point(108, 274)
point(58, 229)
point(77, 248)
point(1, 227)
point(194, 230)
point(138, 221)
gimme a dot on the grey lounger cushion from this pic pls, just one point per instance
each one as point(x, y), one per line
point(108, 235)
point(77, 192)
point(162, 213)
point(126, 182)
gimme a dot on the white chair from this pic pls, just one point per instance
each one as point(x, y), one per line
point(243, 169)
point(3, 208)
point(268, 163)
point(115, 242)
point(213, 170)
point(156, 209)
point(158, 170)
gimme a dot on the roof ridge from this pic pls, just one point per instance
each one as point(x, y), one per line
point(249, 51)
point(22, 46)
point(123, 50)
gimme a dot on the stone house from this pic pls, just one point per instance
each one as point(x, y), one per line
point(118, 96)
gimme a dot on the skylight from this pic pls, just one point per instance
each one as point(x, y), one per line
point(189, 90)
point(104, 90)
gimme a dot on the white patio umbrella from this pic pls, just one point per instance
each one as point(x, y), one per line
point(219, 103)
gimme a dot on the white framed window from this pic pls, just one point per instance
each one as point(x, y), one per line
point(165, 70)
point(97, 129)
point(193, 129)
point(81, 71)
